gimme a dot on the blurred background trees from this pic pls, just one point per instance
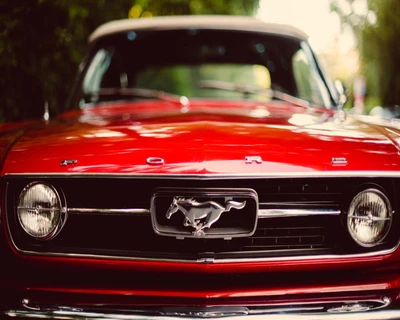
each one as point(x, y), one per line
point(43, 41)
point(376, 27)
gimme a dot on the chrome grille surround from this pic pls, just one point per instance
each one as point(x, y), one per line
point(282, 242)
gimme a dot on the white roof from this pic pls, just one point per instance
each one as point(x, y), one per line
point(199, 22)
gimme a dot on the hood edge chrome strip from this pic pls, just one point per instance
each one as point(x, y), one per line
point(318, 174)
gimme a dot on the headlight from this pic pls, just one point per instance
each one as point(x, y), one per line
point(369, 217)
point(40, 211)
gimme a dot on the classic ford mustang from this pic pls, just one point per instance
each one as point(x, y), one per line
point(204, 168)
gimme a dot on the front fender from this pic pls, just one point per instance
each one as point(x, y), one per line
point(9, 135)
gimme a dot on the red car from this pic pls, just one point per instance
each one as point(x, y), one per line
point(204, 168)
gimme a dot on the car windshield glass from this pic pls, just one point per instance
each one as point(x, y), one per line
point(181, 62)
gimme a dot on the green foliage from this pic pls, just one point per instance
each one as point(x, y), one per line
point(378, 32)
point(381, 50)
point(184, 7)
point(41, 44)
point(43, 41)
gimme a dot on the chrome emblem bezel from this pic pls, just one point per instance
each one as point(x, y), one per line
point(199, 210)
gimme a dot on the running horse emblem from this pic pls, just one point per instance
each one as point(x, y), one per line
point(195, 211)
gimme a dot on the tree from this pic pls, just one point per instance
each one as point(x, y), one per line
point(41, 44)
point(43, 41)
point(377, 28)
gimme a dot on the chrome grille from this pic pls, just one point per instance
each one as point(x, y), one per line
point(307, 237)
point(129, 232)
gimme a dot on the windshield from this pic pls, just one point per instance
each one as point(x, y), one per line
point(179, 62)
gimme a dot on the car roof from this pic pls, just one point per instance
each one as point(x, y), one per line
point(198, 22)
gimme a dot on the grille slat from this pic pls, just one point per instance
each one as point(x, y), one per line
point(287, 237)
point(276, 247)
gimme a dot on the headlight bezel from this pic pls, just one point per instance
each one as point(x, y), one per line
point(376, 190)
point(62, 211)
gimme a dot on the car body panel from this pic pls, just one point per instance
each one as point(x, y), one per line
point(212, 138)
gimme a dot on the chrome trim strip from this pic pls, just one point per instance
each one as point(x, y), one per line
point(262, 213)
point(256, 175)
point(332, 257)
point(288, 213)
point(80, 315)
point(135, 211)
point(77, 315)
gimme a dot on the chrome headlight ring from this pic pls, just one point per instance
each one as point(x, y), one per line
point(369, 217)
point(41, 210)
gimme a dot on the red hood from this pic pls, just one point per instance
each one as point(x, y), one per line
point(212, 139)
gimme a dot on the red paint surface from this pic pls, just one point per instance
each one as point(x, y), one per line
point(9, 133)
point(381, 284)
point(213, 137)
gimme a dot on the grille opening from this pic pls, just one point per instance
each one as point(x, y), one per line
point(133, 236)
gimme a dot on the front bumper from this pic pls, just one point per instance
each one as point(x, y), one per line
point(374, 309)
point(80, 315)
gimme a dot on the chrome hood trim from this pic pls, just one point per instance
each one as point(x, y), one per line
point(211, 176)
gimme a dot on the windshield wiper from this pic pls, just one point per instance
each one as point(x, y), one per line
point(95, 96)
point(230, 86)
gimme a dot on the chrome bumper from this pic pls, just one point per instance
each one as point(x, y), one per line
point(78, 315)
point(369, 309)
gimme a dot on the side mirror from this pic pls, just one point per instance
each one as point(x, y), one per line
point(343, 94)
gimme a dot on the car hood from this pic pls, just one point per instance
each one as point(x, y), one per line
point(205, 138)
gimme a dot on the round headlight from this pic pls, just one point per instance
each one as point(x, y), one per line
point(369, 217)
point(40, 211)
